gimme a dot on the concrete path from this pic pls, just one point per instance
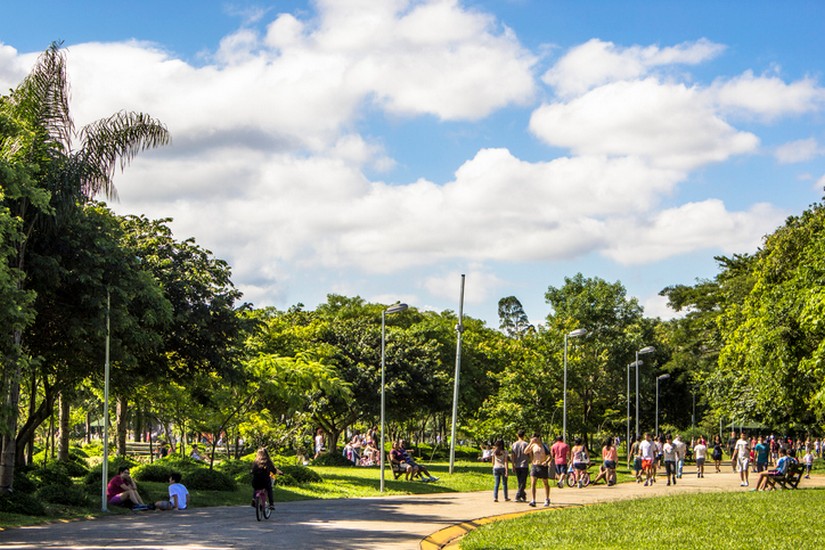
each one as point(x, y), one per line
point(407, 522)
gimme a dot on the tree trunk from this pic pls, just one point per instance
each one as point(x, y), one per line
point(63, 448)
point(88, 436)
point(122, 425)
point(11, 385)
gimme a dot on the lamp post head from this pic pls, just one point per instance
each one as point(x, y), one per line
point(663, 377)
point(578, 332)
point(396, 308)
point(646, 350)
point(638, 363)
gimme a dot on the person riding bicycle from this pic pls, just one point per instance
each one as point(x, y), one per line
point(262, 470)
point(581, 459)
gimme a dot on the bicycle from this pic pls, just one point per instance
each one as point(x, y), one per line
point(584, 477)
point(262, 510)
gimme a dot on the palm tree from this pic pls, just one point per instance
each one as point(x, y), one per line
point(62, 178)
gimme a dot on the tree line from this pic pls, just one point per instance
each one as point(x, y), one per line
point(187, 352)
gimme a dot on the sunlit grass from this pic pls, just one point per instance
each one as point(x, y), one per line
point(710, 520)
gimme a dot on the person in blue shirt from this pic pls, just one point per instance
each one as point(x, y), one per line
point(781, 467)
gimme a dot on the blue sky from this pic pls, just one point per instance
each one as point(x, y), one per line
point(381, 149)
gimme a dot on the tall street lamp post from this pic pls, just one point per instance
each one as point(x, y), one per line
point(627, 441)
point(643, 351)
point(397, 308)
point(573, 334)
point(659, 379)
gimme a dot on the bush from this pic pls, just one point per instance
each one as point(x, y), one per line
point(52, 473)
point(239, 470)
point(60, 494)
point(22, 482)
point(285, 480)
point(153, 472)
point(178, 463)
point(21, 503)
point(302, 474)
point(95, 473)
point(332, 459)
point(209, 480)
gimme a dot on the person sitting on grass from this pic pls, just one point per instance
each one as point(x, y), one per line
point(178, 495)
point(122, 490)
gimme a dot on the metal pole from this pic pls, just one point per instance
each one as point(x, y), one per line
point(383, 451)
point(637, 392)
point(459, 330)
point(627, 418)
point(564, 415)
point(657, 409)
point(105, 469)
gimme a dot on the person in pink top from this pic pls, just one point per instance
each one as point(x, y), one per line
point(560, 451)
point(610, 456)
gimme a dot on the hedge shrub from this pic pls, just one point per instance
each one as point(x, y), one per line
point(61, 494)
point(21, 503)
point(302, 474)
point(52, 473)
point(332, 459)
point(209, 480)
point(153, 472)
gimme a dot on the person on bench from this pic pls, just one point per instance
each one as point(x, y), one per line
point(417, 469)
point(768, 476)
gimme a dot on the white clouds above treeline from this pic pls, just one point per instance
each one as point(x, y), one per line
point(271, 147)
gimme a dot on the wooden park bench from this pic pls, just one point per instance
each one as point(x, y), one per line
point(791, 478)
point(398, 468)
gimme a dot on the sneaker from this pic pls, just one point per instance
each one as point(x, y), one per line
point(668, 484)
point(506, 500)
point(674, 482)
point(646, 483)
point(433, 478)
point(547, 503)
point(495, 500)
point(271, 506)
point(533, 503)
point(580, 484)
point(560, 484)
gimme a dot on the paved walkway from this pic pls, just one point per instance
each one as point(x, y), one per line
point(408, 522)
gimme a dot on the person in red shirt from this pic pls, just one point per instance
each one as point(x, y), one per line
point(560, 451)
point(122, 490)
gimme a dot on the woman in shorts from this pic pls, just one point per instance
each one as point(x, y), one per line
point(610, 456)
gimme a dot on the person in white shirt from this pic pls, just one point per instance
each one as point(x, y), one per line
point(646, 450)
point(681, 450)
point(669, 455)
point(178, 495)
point(700, 451)
point(742, 453)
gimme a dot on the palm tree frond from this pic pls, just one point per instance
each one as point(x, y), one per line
point(116, 139)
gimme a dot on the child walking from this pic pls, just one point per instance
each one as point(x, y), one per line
point(809, 462)
point(501, 469)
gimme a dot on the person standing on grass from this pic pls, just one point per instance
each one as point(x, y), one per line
point(669, 455)
point(560, 453)
point(742, 455)
point(700, 451)
point(521, 466)
point(538, 467)
point(501, 469)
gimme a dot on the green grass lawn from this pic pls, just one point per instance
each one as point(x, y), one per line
point(774, 519)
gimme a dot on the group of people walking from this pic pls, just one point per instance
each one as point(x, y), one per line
point(534, 459)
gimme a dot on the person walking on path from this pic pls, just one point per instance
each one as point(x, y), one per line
point(610, 457)
point(742, 456)
point(762, 453)
point(669, 454)
point(560, 452)
point(717, 453)
point(681, 452)
point(581, 460)
point(634, 458)
point(646, 451)
point(700, 451)
point(501, 469)
point(521, 466)
point(538, 467)
point(732, 449)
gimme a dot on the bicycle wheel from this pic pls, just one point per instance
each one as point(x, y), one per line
point(267, 510)
point(585, 479)
point(260, 507)
point(571, 479)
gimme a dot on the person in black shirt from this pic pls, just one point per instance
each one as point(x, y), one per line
point(262, 469)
